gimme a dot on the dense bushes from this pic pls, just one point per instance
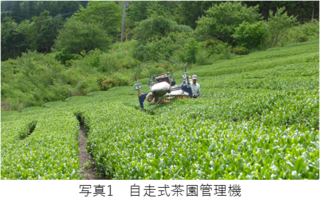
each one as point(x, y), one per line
point(250, 35)
point(240, 51)
point(107, 84)
point(34, 79)
point(302, 33)
point(303, 38)
point(156, 27)
point(221, 20)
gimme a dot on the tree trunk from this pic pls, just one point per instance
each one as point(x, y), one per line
point(123, 17)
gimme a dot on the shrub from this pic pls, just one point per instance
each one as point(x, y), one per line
point(5, 106)
point(161, 49)
point(224, 50)
point(107, 84)
point(63, 56)
point(240, 51)
point(129, 63)
point(202, 57)
point(121, 79)
point(156, 26)
point(86, 85)
point(303, 38)
point(191, 49)
point(301, 33)
point(210, 44)
point(278, 25)
point(101, 79)
point(250, 35)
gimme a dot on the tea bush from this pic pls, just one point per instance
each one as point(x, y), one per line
point(257, 118)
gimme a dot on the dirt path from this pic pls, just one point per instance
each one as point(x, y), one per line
point(88, 168)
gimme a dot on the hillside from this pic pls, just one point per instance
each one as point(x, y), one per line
point(257, 118)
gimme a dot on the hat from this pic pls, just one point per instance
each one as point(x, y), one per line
point(194, 77)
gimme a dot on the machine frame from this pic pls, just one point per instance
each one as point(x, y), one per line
point(167, 77)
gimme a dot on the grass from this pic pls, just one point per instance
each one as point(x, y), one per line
point(257, 118)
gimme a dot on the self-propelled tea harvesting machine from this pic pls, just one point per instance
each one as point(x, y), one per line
point(163, 88)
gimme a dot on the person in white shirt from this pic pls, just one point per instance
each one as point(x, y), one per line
point(195, 87)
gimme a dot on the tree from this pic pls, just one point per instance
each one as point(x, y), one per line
point(84, 3)
point(138, 10)
point(16, 12)
point(107, 15)
point(250, 35)
point(43, 32)
point(191, 50)
point(9, 39)
point(156, 27)
point(78, 36)
point(6, 5)
point(221, 20)
point(68, 6)
point(278, 24)
point(32, 8)
point(190, 11)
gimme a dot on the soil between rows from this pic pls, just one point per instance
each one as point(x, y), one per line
point(88, 171)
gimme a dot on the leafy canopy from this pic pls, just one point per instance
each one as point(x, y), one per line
point(250, 35)
point(221, 20)
point(108, 15)
point(157, 26)
point(77, 36)
point(278, 25)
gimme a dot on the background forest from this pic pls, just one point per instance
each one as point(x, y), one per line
point(53, 50)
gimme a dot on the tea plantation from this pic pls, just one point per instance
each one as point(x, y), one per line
point(257, 118)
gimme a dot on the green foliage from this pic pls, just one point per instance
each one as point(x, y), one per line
point(63, 56)
point(28, 130)
point(156, 27)
point(191, 49)
point(223, 50)
point(278, 25)
point(50, 152)
point(47, 31)
point(121, 79)
point(34, 79)
point(16, 12)
point(165, 48)
point(221, 20)
point(257, 118)
point(105, 15)
point(77, 36)
point(161, 49)
point(141, 10)
point(303, 38)
point(250, 35)
point(9, 38)
point(302, 33)
point(240, 51)
point(107, 84)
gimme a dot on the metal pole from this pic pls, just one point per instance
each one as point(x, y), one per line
point(123, 17)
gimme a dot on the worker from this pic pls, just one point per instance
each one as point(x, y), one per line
point(195, 87)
